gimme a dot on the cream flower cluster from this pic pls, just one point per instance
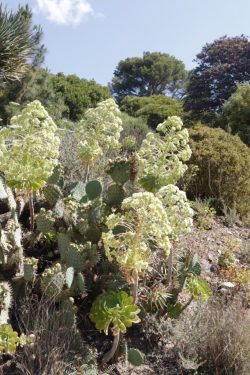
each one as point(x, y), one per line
point(29, 148)
point(163, 154)
point(142, 224)
point(178, 210)
point(99, 131)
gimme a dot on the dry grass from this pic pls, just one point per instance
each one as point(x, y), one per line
point(58, 349)
point(216, 337)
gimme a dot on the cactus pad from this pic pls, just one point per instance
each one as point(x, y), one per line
point(119, 170)
point(45, 222)
point(115, 195)
point(52, 194)
point(93, 189)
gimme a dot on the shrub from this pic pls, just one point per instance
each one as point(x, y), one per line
point(215, 339)
point(224, 168)
point(236, 113)
point(154, 109)
point(135, 127)
point(203, 213)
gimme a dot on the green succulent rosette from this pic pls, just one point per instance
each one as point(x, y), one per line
point(116, 308)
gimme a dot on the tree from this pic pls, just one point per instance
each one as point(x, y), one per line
point(65, 97)
point(40, 50)
point(236, 113)
point(155, 73)
point(79, 94)
point(154, 109)
point(220, 66)
point(36, 84)
point(19, 41)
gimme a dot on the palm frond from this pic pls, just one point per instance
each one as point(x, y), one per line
point(17, 45)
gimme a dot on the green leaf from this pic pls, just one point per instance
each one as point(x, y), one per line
point(174, 311)
point(135, 357)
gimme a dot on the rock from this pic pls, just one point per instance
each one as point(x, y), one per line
point(214, 268)
point(226, 285)
point(210, 257)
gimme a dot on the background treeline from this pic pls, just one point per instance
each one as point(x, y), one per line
point(213, 100)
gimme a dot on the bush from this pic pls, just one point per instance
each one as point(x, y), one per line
point(154, 109)
point(203, 213)
point(236, 113)
point(223, 168)
point(134, 127)
point(215, 340)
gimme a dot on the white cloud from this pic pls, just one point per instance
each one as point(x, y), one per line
point(65, 12)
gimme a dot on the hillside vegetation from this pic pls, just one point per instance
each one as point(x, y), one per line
point(124, 213)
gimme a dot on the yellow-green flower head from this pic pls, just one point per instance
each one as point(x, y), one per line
point(163, 155)
point(99, 131)
point(29, 148)
point(178, 210)
point(142, 224)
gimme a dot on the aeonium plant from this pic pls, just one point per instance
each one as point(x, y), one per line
point(163, 154)
point(29, 150)
point(115, 309)
point(143, 223)
point(98, 132)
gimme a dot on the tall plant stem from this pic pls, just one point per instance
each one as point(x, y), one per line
point(110, 354)
point(86, 174)
point(31, 207)
point(187, 303)
point(170, 267)
point(135, 285)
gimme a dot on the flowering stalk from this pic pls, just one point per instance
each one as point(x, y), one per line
point(29, 150)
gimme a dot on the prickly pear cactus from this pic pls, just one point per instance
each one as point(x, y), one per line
point(30, 268)
point(45, 222)
point(119, 170)
point(93, 189)
point(81, 257)
point(63, 240)
point(115, 195)
point(53, 281)
point(52, 194)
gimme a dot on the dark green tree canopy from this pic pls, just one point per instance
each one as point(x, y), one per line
point(220, 66)
point(79, 94)
point(154, 109)
point(65, 97)
point(236, 113)
point(155, 73)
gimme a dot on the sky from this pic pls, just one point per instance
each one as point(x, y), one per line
point(90, 37)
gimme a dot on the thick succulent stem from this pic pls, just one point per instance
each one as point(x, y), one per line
point(135, 285)
point(31, 207)
point(110, 354)
point(187, 303)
